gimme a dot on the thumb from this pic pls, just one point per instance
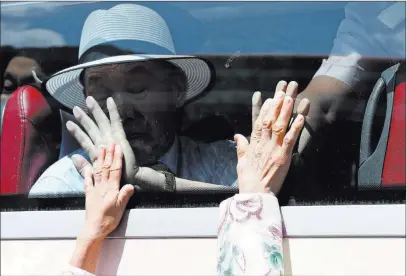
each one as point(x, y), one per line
point(82, 165)
point(124, 195)
point(242, 145)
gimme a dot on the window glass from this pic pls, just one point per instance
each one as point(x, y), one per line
point(183, 74)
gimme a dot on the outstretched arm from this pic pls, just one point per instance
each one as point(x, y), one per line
point(105, 205)
point(250, 228)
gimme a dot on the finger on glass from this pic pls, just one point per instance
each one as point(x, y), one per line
point(271, 117)
point(303, 107)
point(107, 163)
point(115, 120)
point(256, 106)
point(279, 128)
point(97, 172)
point(281, 86)
point(117, 165)
point(279, 94)
point(258, 125)
point(292, 89)
point(88, 181)
point(292, 135)
point(88, 124)
point(82, 165)
point(84, 141)
point(100, 117)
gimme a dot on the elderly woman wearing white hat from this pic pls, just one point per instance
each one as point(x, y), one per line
point(128, 67)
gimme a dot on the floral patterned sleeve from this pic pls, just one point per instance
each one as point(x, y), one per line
point(250, 236)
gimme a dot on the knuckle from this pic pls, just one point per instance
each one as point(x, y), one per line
point(266, 124)
point(288, 100)
point(115, 167)
point(82, 168)
point(97, 172)
point(257, 124)
point(288, 140)
point(257, 130)
point(278, 128)
point(109, 140)
point(298, 125)
point(267, 102)
point(275, 102)
point(119, 133)
point(107, 163)
point(281, 160)
point(255, 135)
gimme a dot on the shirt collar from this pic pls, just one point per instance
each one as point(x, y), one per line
point(170, 158)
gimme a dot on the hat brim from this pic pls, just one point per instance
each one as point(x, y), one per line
point(66, 87)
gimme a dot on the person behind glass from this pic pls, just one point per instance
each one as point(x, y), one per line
point(250, 227)
point(143, 91)
point(19, 72)
point(29, 66)
point(369, 30)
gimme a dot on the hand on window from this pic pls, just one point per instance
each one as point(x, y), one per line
point(105, 201)
point(290, 90)
point(101, 133)
point(106, 131)
point(264, 162)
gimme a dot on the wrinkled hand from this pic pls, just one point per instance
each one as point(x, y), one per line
point(101, 133)
point(282, 89)
point(105, 201)
point(264, 162)
point(107, 131)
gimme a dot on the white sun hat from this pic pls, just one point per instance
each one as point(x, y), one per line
point(126, 27)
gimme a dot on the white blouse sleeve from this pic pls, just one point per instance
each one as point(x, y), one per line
point(369, 30)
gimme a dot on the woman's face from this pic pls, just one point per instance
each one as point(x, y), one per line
point(146, 94)
point(18, 73)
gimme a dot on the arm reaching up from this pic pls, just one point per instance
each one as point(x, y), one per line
point(105, 205)
point(250, 228)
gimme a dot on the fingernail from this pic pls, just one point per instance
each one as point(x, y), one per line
point(293, 83)
point(76, 111)
point(89, 102)
point(69, 125)
point(256, 97)
point(110, 101)
point(300, 118)
point(303, 106)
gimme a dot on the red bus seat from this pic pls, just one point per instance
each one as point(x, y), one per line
point(394, 169)
point(384, 165)
point(28, 140)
